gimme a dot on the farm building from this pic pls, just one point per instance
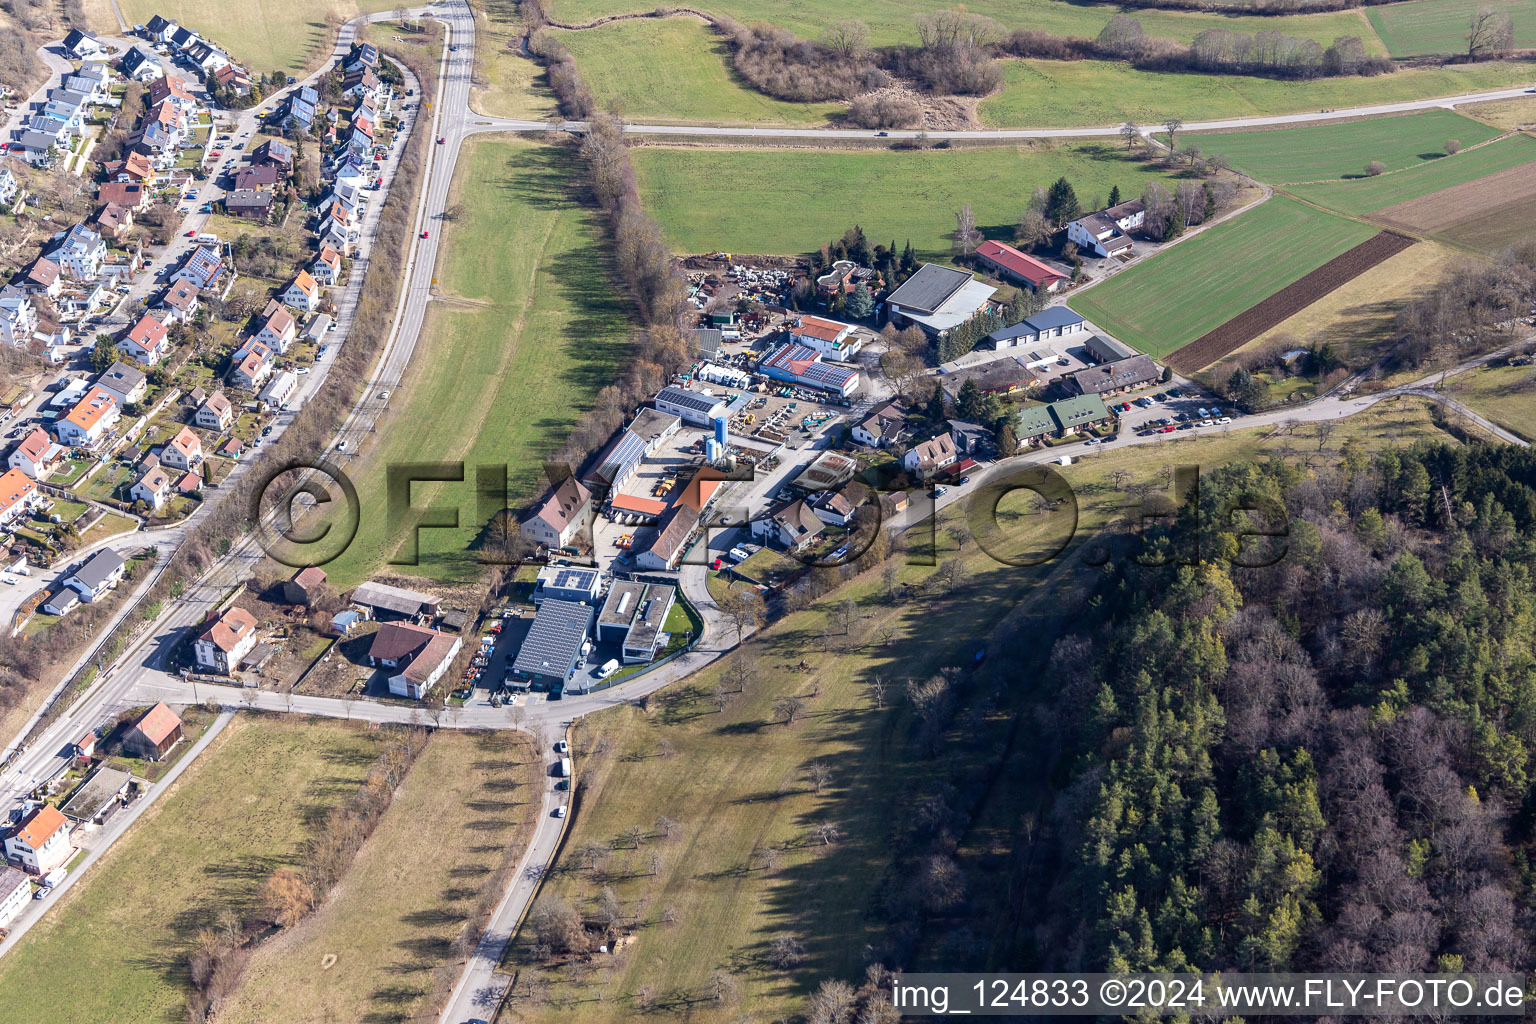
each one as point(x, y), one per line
point(419, 655)
point(301, 589)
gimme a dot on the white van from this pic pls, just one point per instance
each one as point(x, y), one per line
point(609, 668)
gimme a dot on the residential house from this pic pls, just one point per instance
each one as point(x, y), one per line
point(154, 734)
point(835, 508)
point(1116, 377)
point(130, 195)
point(18, 318)
point(233, 79)
point(203, 267)
point(1080, 413)
point(159, 30)
point(224, 641)
point(217, 413)
point(76, 302)
point(112, 220)
point(1006, 375)
point(140, 66)
point(80, 45)
point(829, 337)
point(884, 425)
point(61, 602)
point(153, 488)
point(252, 368)
point(37, 148)
point(10, 188)
point(327, 266)
point(273, 151)
point(419, 655)
point(793, 527)
point(1108, 232)
point(124, 383)
point(18, 497)
point(938, 299)
point(279, 390)
point(206, 57)
point(261, 178)
point(97, 575)
point(1009, 264)
point(90, 420)
point(927, 458)
point(37, 455)
point(248, 204)
point(93, 81)
point(970, 438)
point(335, 228)
point(183, 37)
point(303, 293)
point(278, 328)
point(147, 342)
point(41, 842)
point(15, 894)
point(362, 55)
point(99, 797)
point(559, 519)
point(184, 451)
point(79, 252)
point(179, 303)
point(362, 84)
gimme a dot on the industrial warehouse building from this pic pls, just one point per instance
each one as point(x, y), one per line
point(552, 648)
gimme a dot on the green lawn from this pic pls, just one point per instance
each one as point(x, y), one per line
point(267, 35)
point(1364, 195)
point(1044, 94)
point(676, 69)
point(1176, 296)
point(1504, 394)
point(891, 21)
point(1440, 26)
point(508, 361)
point(112, 949)
point(1312, 153)
point(792, 200)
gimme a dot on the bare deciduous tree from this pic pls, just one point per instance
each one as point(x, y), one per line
point(788, 709)
point(967, 237)
point(819, 774)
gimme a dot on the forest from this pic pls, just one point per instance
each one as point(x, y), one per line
point(1309, 751)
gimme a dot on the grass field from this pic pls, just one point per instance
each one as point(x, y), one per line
point(1364, 195)
point(792, 200)
point(676, 69)
point(1504, 394)
point(474, 794)
point(1199, 284)
point(112, 948)
point(1086, 92)
point(509, 358)
point(1509, 115)
point(1308, 153)
point(891, 21)
point(737, 782)
point(506, 84)
point(1419, 27)
point(267, 35)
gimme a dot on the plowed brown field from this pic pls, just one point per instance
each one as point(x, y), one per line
point(1482, 201)
point(1255, 320)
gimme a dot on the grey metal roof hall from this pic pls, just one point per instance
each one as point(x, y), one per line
point(1052, 318)
point(929, 288)
point(553, 643)
point(695, 400)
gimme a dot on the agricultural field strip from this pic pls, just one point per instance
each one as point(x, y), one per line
point(1287, 302)
point(1315, 153)
point(1366, 195)
point(1176, 296)
point(1449, 207)
point(1419, 27)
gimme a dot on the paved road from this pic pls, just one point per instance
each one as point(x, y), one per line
point(481, 123)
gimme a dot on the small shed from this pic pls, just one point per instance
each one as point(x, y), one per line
point(99, 797)
point(301, 589)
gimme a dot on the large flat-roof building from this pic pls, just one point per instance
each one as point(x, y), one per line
point(692, 407)
point(633, 616)
point(567, 583)
point(938, 299)
point(551, 650)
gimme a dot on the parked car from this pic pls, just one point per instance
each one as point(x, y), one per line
point(424, 234)
point(940, 491)
point(559, 812)
point(562, 747)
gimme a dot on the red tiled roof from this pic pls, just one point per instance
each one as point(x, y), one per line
point(229, 629)
point(160, 721)
point(1022, 264)
point(40, 826)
